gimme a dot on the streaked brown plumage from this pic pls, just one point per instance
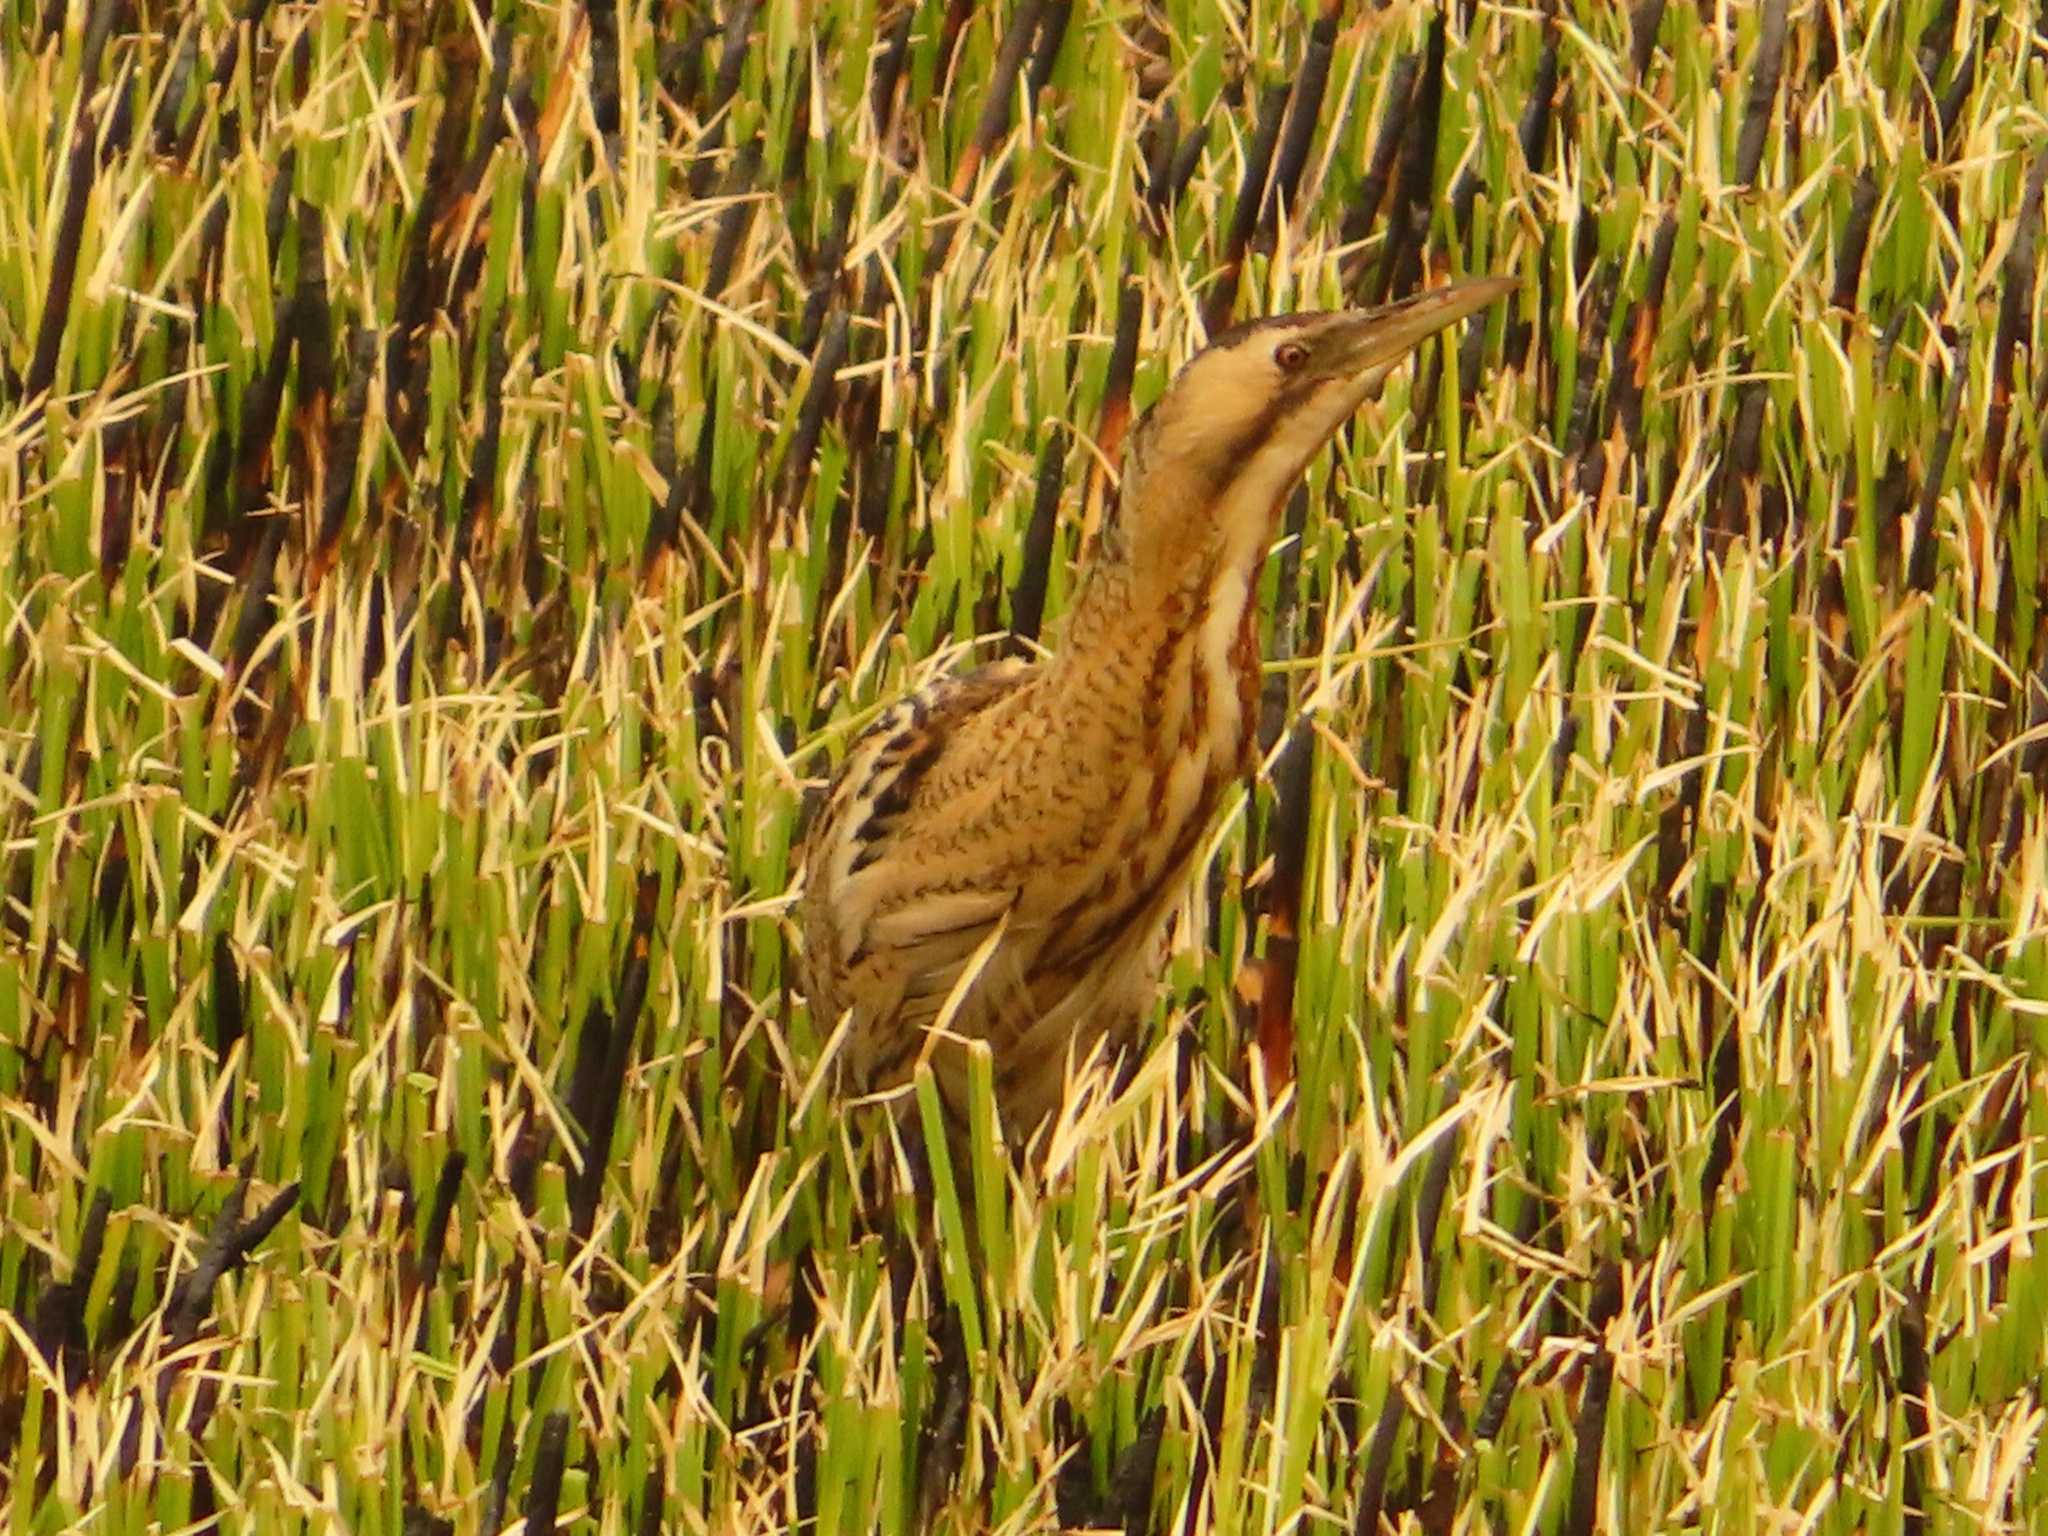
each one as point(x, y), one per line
point(1042, 817)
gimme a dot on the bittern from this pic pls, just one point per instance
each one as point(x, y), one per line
point(1001, 853)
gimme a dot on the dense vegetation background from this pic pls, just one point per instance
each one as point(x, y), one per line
point(465, 471)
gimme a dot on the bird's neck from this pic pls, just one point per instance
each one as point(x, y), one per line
point(1177, 621)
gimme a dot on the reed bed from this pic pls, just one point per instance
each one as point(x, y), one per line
point(465, 474)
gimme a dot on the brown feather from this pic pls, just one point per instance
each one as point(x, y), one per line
point(1050, 811)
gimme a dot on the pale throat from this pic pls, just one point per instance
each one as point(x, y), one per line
point(1247, 521)
point(1189, 552)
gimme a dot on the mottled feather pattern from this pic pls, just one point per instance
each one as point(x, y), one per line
point(1040, 819)
point(884, 925)
point(1012, 796)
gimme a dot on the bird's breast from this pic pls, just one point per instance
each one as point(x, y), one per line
point(1160, 736)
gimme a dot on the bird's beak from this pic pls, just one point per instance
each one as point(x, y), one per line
point(1369, 342)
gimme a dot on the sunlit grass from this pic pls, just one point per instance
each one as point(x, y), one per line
point(464, 477)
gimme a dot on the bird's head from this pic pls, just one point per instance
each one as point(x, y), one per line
point(1209, 467)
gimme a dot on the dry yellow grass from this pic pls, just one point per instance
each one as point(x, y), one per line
point(463, 477)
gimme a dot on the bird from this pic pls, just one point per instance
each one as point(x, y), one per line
point(1000, 854)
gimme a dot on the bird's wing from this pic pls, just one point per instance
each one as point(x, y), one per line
point(890, 917)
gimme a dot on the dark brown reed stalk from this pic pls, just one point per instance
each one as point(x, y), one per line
point(78, 182)
point(1365, 207)
point(1920, 566)
point(2015, 301)
point(1764, 73)
point(1643, 24)
point(1304, 109)
point(1400, 268)
point(1287, 841)
point(1027, 598)
point(1244, 216)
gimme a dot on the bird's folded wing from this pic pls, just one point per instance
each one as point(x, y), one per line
point(940, 927)
point(898, 920)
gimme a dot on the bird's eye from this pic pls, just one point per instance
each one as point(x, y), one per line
point(1292, 356)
